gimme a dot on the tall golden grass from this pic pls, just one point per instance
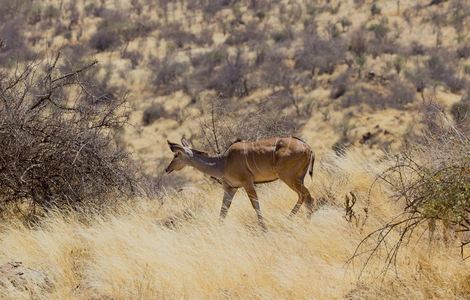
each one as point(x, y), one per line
point(175, 247)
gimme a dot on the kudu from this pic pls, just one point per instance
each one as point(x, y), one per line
point(245, 164)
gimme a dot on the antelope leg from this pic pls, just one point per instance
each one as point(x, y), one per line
point(251, 192)
point(227, 201)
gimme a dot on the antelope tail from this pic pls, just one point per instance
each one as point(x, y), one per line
point(312, 162)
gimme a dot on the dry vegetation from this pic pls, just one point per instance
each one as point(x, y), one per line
point(91, 90)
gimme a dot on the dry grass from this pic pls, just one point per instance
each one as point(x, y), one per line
point(148, 250)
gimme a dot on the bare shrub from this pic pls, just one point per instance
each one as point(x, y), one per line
point(441, 69)
point(432, 179)
point(381, 42)
point(230, 80)
point(174, 32)
point(13, 47)
point(283, 35)
point(137, 7)
point(57, 149)
point(224, 121)
point(251, 33)
point(364, 95)
point(463, 51)
point(455, 83)
point(116, 28)
point(209, 60)
point(399, 94)
point(103, 40)
point(92, 9)
point(35, 14)
point(345, 140)
point(50, 14)
point(320, 54)
point(153, 113)
point(345, 23)
point(461, 113)
point(204, 66)
point(167, 76)
point(135, 57)
point(210, 8)
point(419, 77)
point(99, 89)
point(358, 42)
point(417, 49)
point(375, 9)
point(359, 3)
point(10, 9)
point(340, 85)
point(274, 69)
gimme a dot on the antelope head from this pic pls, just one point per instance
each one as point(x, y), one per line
point(182, 155)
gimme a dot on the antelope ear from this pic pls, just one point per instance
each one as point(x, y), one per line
point(174, 147)
point(185, 143)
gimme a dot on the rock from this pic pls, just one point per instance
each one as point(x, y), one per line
point(14, 275)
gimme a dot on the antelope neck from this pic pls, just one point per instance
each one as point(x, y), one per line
point(213, 166)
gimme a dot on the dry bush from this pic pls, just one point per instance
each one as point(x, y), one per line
point(167, 74)
point(13, 46)
point(210, 8)
point(375, 9)
point(182, 38)
point(381, 42)
point(419, 77)
point(461, 113)
point(358, 42)
point(31, 12)
point(204, 66)
point(440, 69)
point(73, 55)
point(92, 9)
point(135, 57)
point(364, 95)
point(432, 179)
point(231, 78)
point(286, 34)
point(274, 69)
point(153, 113)
point(463, 51)
point(103, 40)
point(58, 148)
point(250, 33)
point(340, 85)
point(398, 95)
point(99, 88)
point(417, 48)
point(116, 28)
point(224, 121)
point(318, 54)
point(205, 63)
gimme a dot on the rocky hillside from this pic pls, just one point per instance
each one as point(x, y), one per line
point(338, 73)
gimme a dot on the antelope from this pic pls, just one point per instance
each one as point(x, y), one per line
point(244, 164)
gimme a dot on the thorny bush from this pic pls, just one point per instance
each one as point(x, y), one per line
point(59, 149)
point(432, 180)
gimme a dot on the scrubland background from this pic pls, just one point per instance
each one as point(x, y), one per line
point(372, 86)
